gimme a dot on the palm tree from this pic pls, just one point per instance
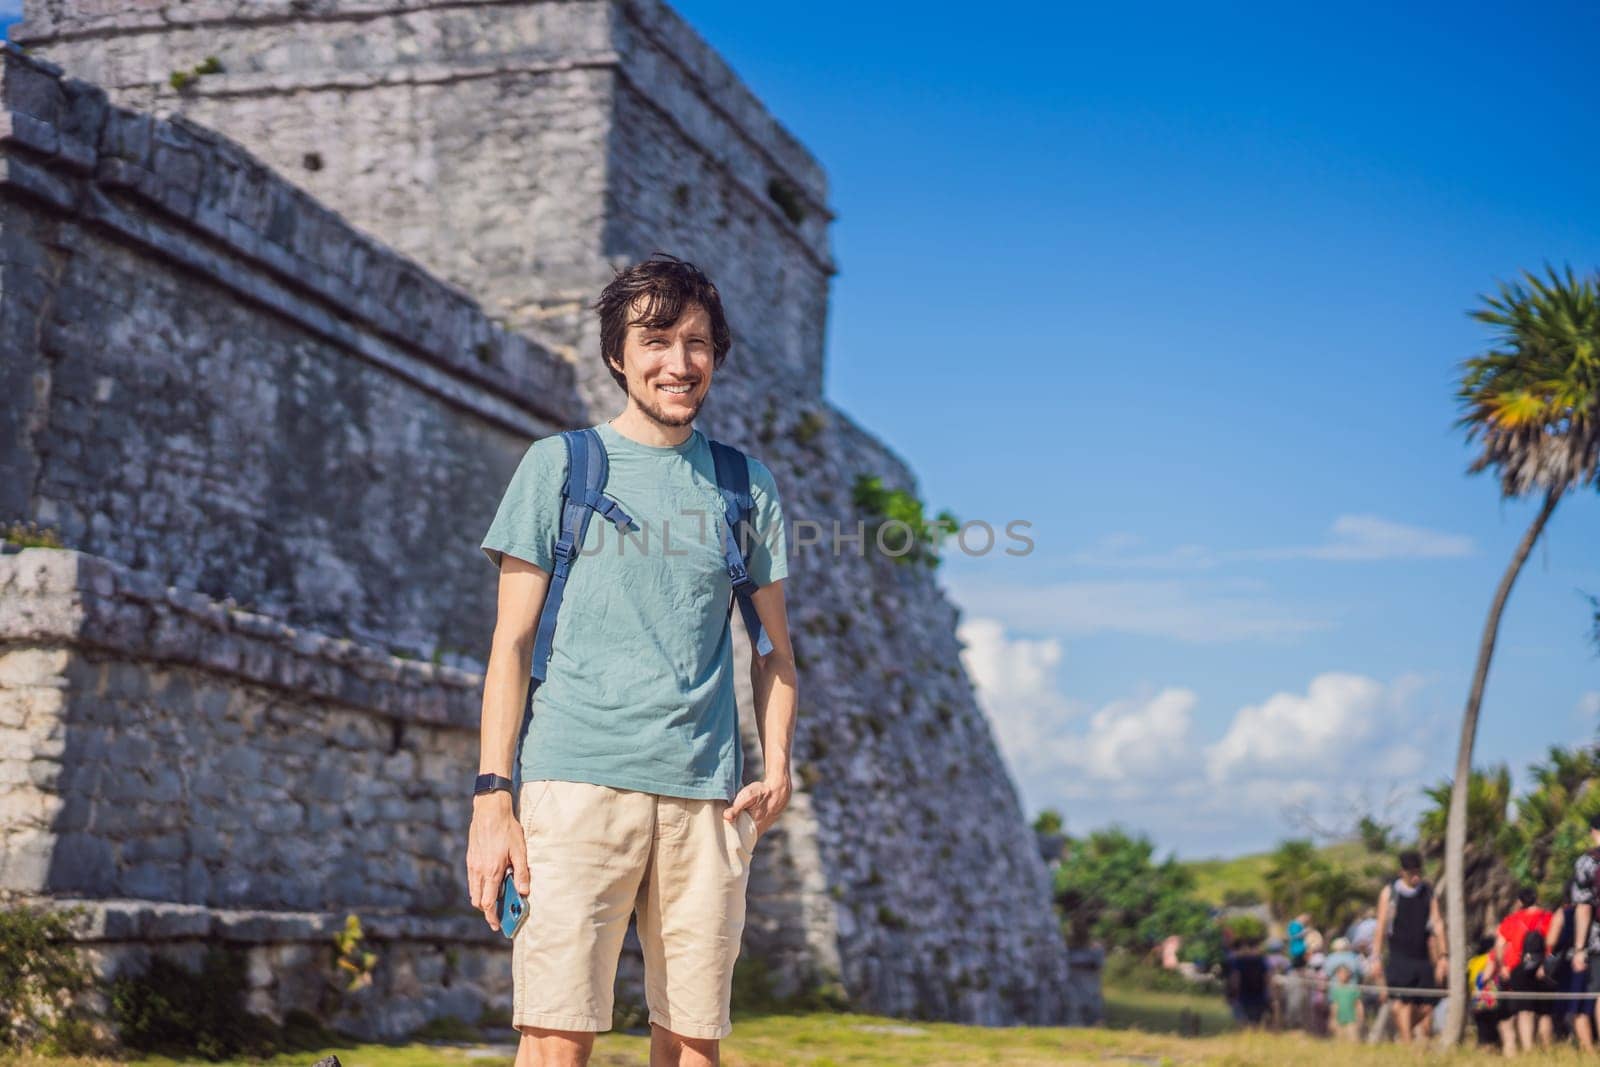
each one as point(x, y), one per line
point(1552, 825)
point(1533, 401)
point(1293, 868)
point(1488, 882)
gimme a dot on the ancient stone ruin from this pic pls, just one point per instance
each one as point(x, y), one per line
point(276, 330)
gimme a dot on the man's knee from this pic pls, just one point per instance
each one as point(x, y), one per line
point(542, 1047)
point(688, 1050)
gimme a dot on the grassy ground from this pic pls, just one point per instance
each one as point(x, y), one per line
point(827, 1040)
point(1161, 1013)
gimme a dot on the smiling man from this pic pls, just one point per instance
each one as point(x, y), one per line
point(630, 798)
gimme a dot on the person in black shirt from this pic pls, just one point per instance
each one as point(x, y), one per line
point(1247, 982)
point(1586, 932)
point(1408, 916)
point(1571, 1016)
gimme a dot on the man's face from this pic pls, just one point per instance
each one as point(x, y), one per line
point(1411, 878)
point(668, 369)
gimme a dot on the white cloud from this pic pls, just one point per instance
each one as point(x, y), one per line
point(1043, 734)
point(1371, 537)
point(1017, 680)
point(1336, 714)
point(1198, 612)
point(1138, 741)
point(1143, 760)
point(1589, 704)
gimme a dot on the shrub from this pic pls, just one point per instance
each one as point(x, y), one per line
point(30, 535)
point(919, 543)
point(1124, 970)
point(40, 976)
point(753, 991)
point(174, 1011)
point(1245, 929)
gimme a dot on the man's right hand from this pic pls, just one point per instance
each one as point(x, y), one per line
point(1580, 961)
point(494, 844)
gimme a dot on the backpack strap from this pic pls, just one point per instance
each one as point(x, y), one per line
point(733, 482)
point(582, 495)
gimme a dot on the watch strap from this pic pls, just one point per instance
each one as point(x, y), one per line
point(488, 783)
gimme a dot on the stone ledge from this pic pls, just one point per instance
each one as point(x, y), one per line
point(65, 597)
point(125, 919)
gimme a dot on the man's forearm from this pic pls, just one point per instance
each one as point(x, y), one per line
point(504, 696)
point(1582, 916)
point(776, 696)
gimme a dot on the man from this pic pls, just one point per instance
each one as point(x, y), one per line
point(1571, 1016)
point(1248, 978)
point(629, 800)
point(1408, 915)
point(1519, 946)
point(1586, 932)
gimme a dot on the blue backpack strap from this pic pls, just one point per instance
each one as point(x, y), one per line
point(582, 495)
point(733, 482)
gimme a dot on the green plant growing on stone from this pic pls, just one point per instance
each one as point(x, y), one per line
point(171, 1010)
point(917, 539)
point(787, 197)
point(494, 1017)
point(353, 963)
point(755, 991)
point(629, 1015)
point(183, 79)
point(31, 535)
point(41, 973)
point(769, 420)
point(810, 425)
point(447, 1028)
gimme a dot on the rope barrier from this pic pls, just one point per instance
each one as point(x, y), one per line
point(1476, 994)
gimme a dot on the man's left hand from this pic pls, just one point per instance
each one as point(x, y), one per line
point(766, 800)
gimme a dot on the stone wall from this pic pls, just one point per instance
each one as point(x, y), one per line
point(519, 150)
point(195, 773)
point(229, 396)
point(213, 378)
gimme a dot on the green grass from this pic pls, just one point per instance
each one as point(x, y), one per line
point(837, 1040)
point(1160, 1013)
point(856, 1040)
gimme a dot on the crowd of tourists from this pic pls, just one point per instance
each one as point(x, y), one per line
point(1532, 984)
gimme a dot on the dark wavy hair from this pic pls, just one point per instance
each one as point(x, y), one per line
point(668, 286)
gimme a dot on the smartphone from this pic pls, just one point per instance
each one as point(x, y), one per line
point(512, 906)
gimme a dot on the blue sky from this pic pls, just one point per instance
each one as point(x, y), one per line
point(1185, 288)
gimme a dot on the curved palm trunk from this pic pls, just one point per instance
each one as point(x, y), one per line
point(1455, 832)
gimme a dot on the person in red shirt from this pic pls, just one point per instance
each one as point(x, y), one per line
point(1520, 946)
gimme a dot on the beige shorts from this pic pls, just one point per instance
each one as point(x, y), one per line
point(597, 854)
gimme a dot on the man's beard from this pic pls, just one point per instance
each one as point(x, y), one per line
point(658, 414)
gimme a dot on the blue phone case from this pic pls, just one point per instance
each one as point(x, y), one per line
point(512, 906)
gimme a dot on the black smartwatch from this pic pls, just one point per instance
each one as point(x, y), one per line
point(488, 783)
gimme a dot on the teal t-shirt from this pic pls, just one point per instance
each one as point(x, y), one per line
point(1344, 996)
point(639, 689)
